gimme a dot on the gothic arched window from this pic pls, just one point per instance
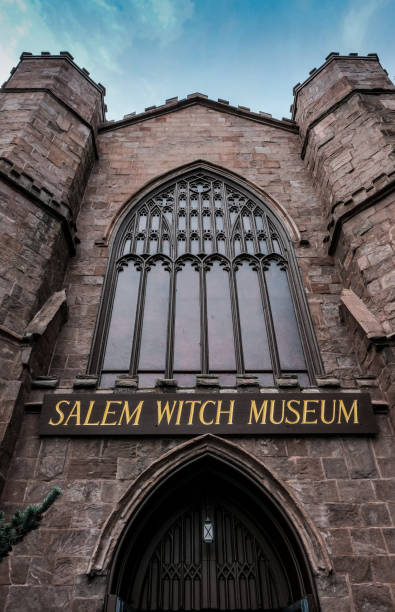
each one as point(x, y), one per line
point(203, 279)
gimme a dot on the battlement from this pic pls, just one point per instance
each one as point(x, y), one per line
point(338, 77)
point(175, 103)
point(60, 75)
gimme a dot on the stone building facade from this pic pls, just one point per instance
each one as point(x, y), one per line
point(69, 182)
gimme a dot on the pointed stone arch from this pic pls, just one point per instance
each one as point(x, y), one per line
point(245, 467)
point(276, 207)
point(264, 228)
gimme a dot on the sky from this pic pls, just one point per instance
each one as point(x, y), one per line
point(250, 52)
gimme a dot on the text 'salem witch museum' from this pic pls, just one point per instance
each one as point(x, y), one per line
point(196, 346)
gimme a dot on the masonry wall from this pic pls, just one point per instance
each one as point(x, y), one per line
point(346, 486)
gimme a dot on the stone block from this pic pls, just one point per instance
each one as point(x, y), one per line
point(19, 568)
point(368, 541)
point(34, 598)
point(375, 514)
point(335, 468)
point(95, 468)
point(358, 568)
point(389, 537)
point(343, 515)
point(372, 598)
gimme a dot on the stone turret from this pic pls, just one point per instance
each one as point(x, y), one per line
point(49, 113)
point(346, 114)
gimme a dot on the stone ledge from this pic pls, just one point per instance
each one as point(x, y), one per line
point(124, 382)
point(287, 382)
point(45, 382)
point(243, 381)
point(362, 316)
point(85, 381)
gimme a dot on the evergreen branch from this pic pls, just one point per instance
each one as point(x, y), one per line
point(22, 522)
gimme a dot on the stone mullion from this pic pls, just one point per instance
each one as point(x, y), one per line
point(171, 325)
point(271, 336)
point(236, 321)
point(133, 368)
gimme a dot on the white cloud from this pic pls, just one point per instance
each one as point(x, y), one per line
point(357, 19)
point(101, 34)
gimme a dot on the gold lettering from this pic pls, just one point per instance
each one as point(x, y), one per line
point(107, 411)
point(165, 411)
point(201, 412)
point(294, 411)
point(307, 410)
point(88, 414)
point(323, 419)
point(342, 409)
point(75, 412)
point(272, 406)
point(180, 404)
point(60, 413)
point(257, 415)
point(229, 412)
point(192, 410)
point(128, 417)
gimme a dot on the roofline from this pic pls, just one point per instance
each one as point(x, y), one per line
point(174, 104)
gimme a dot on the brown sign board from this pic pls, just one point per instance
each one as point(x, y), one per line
point(183, 414)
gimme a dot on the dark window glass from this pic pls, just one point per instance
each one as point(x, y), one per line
point(187, 319)
point(219, 319)
point(287, 334)
point(120, 333)
point(252, 320)
point(191, 321)
point(154, 334)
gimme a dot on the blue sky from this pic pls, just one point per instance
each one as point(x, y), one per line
point(250, 52)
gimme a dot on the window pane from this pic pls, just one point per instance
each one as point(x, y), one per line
point(126, 248)
point(187, 321)
point(252, 320)
point(276, 246)
point(185, 380)
point(194, 222)
point(250, 245)
point(219, 320)
point(265, 379)
point(284, 320)
point(148, 380)
point(154, 334)
point(194, 245)
point(207, 245)
point(108, 380)
point(259, 222)
point(140, 245)
point(262, 246)
point(246, 222)
point(120, 335)
point(142, 222)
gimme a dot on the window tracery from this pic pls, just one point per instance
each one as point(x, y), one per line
point(202, 280)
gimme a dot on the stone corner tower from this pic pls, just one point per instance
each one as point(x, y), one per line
point(50, 111)
point(346, 114)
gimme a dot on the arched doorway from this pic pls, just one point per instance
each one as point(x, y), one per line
point(206, 540)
